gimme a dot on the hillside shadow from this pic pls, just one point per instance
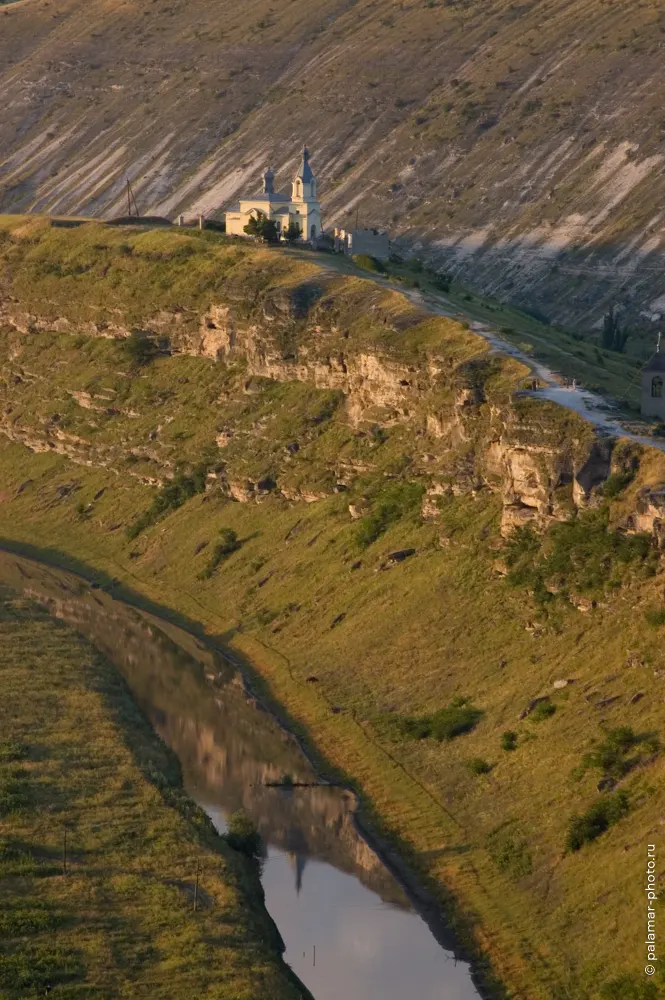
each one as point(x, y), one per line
point(101, 580)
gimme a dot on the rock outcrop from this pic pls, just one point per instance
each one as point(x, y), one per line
point(388, 368)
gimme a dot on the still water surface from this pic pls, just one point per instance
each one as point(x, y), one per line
point(350, 930)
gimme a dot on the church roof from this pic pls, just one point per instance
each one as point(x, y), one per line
point(256, 199)
point(277, 197)
point(305, 172)
point(261, 196)
point(656, 363)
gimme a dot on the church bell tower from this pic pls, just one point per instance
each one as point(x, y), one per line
point(305, 210)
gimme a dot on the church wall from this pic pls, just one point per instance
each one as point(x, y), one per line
point(235, 221)
point(652, 406)
point(364, 241)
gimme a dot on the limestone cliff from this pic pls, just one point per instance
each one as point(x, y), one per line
point(387, 369)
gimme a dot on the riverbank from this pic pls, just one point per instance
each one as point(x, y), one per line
point(101, 847)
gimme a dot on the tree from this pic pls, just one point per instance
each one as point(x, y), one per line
point(263, 228)
point(242, 835)
point(614, 336)
point(139, 348)
point(292, 232)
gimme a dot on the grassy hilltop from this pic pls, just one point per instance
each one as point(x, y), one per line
point(312, 468)
point(521, 142)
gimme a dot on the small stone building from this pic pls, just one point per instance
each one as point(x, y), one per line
point(653, 386)
point(363, 241)
point(301, 206)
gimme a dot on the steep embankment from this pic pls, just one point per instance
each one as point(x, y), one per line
point(523, 143)
point(373, 462)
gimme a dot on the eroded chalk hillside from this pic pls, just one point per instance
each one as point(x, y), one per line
point(454, 590)
point(520, 144)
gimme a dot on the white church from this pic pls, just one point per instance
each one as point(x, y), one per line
point(300, 207)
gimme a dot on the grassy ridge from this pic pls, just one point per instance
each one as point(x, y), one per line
point(311, 590)
point(78, 760)
point(130, 279)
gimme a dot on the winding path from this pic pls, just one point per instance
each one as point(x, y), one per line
point(589, 405)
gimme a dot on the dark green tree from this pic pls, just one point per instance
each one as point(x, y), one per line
point(614, 336)
point(139, 348)
point(292, 232)
point(243, 835)
point(263, 228)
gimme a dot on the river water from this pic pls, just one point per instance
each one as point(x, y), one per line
point(350, 930)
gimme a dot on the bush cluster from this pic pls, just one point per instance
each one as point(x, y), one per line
point(29, 918)
point(455, 719)
point(139, 349)
point(11, 750)
point(509, 740)
point(14, 793)
point(369, 263)
point(39, 966)
point(630, 987)
point(228, 544)
point(243, 836)
point(617, 483)
point(585, 552)
point(391, 505)
point(16, 858)
point(510, 854)
point(611, 757)
point(543, 710)
point(655, 617)
point(477, 765)
point(596, 820)
point(172, 495)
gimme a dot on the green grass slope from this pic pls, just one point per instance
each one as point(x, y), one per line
point(99, 846)
point(324, 496)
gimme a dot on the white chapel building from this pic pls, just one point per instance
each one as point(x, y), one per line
point(301, 206)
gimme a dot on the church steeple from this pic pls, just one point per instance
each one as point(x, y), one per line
point(300, 211)
point(304, 183)
point(269, 181)
point(305, 172)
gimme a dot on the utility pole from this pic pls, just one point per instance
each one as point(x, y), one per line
point(196, 886)
point(130, 199)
